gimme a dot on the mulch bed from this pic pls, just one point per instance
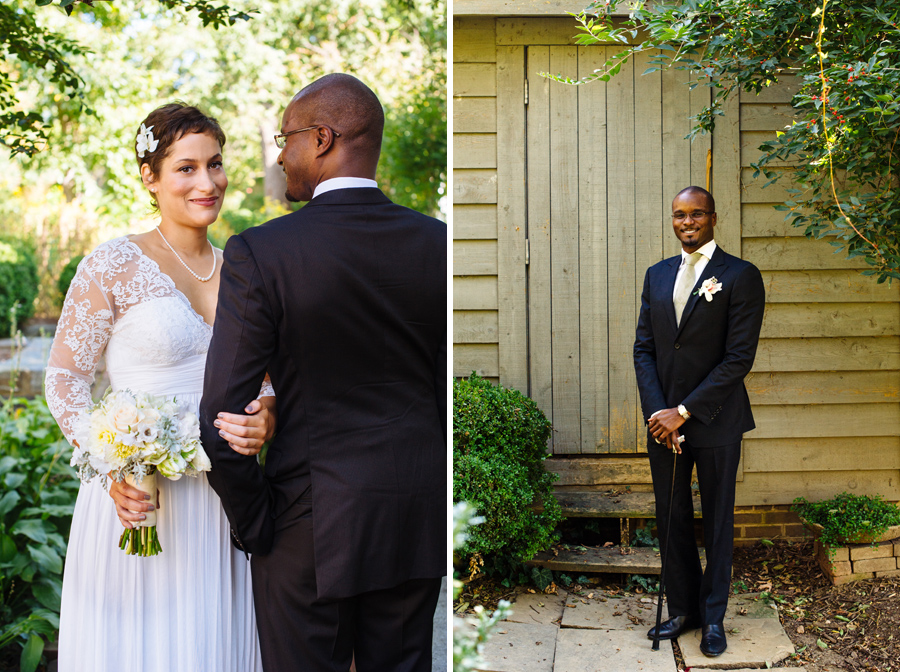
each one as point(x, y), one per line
point(850, 628)
point(853, 627)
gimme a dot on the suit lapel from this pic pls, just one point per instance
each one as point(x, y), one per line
point(713, 269)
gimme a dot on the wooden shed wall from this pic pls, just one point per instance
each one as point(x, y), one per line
point(475, 161)
point(826, 383)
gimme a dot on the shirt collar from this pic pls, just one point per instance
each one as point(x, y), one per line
point(707, 251)
point(343, 183)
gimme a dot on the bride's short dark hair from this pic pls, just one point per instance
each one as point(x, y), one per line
point(168, 124)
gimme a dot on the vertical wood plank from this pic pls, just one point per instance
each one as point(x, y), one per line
point(648, 175)
point(538, 160)
point(564, 273)
point(592, 254)
point(676, 149)
point(511, 218)
point(701, 95)
point(726, 144)
point(621, 231)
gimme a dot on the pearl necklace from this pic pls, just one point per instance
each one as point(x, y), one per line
point(189, 270)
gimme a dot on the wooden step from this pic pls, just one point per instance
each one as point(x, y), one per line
point(608, 560)
point(611, 504)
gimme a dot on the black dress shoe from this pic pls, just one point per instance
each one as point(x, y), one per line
point(674, 627)
point(713, 642)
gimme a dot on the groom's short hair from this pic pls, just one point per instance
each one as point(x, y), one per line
point(698, 190)
point(348, 106)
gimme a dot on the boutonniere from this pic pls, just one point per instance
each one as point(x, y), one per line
point(709, 287)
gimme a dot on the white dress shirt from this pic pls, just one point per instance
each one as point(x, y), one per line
point(707, 252)
point(343, 183)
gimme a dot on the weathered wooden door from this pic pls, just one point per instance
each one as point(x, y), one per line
point(603, 162)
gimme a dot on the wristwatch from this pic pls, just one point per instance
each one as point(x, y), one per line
point(683, 412)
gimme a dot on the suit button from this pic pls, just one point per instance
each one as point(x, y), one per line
point(677, 346)
point(680, 381)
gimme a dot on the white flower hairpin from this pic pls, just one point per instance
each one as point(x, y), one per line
point(709, 287)
point(145, 141)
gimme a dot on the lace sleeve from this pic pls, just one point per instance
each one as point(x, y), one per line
point(266, 390)
point(81, 336)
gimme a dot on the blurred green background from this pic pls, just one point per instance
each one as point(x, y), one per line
point(126, 57)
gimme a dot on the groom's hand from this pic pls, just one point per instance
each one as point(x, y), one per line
point(246, 434)
point(664, 422)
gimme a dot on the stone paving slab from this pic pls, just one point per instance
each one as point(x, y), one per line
point(752, 642)
point(538, 608)
point(611, 651)
point(751, 605)
point(520, 647)
point(611, 612)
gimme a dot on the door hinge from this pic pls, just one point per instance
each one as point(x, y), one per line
point(526, 91)
point(527, 251)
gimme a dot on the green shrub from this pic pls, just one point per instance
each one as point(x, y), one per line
point(499, 446)
point(37, 498)
point(65, 279)
point(18, 282)
point(848, 518)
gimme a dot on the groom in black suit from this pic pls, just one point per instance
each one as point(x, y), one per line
point(344, 303)
point(697, 333)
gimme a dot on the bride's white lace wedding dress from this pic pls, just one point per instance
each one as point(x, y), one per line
point(191, 606)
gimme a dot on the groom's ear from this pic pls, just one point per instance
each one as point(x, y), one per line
point(324, 140)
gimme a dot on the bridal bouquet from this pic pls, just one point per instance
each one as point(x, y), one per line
point(133, 436)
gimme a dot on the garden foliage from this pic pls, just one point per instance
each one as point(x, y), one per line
point(847, 517)
point(499, 446)
point(37, 498)
point(470, 633)
point(18, 283)
point(841, 151)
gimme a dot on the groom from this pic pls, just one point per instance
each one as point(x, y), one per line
point(344, 303)
point(697, 333)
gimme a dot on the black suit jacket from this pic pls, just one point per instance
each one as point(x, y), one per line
point(701, 363)
point(344, 303)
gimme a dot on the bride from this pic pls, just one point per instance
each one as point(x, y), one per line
point(148, 301)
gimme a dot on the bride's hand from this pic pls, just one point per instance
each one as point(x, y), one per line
point(246, 434)
point(131, 503)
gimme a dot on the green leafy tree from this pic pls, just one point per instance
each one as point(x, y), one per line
point(843, 143)
point(28, 48)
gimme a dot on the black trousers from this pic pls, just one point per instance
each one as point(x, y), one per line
point(689, 590)
point(387, 630)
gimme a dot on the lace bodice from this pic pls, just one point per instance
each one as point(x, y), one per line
point(121, 303)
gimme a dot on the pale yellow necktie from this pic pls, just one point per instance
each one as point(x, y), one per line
point(686, 284)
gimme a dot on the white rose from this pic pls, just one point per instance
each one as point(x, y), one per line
point(124, 416)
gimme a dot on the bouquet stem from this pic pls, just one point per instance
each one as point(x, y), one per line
point(142, 539)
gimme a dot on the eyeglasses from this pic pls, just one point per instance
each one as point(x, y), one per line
point(694, 216)
point(281, 138)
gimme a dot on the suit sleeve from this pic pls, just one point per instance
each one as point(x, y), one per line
point(243, 341)
point(649, 385)
point(441, 382)
point(745, 316)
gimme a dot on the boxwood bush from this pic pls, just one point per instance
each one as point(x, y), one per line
point(18, 282)
point(499, 446)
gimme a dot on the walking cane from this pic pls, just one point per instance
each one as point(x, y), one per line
point(662, 578)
